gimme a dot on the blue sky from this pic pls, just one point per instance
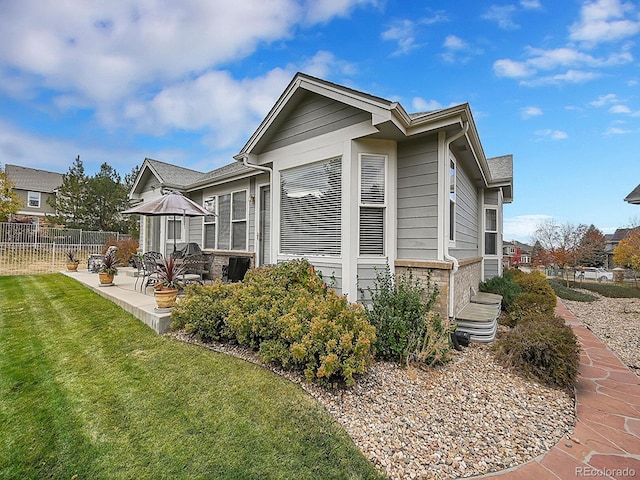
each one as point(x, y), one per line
point(556, 84)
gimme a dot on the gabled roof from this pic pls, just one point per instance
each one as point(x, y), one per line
point(634, 197)
point(172, 175)
point(33, 179)
point(389, 120)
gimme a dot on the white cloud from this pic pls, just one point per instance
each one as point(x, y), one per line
point(552, 134)
point(619, 109)
point(616, 131)
point(419, 104)
point(502, 15)
point(100, 53)
point(530, 4)
point(511, 69)
point(528, 112)
point(522, 227)
point(456, 50)
point(603, 100)
point(403, 32)
point(606, 21)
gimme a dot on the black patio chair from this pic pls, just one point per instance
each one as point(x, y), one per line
point(150, 262)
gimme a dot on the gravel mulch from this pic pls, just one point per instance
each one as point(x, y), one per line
point(469, 417)
point(615, 321)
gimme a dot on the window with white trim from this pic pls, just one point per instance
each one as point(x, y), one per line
point(33, 199)
point(174, 228)
point(452, 200)
point(226, 228)
point(209, 234)
point(372, 204)
point(311, 209)
point(239, 220)
point(491, 231)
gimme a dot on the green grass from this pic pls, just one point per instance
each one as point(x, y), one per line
point(561, 290)
point(612, 290)
point(87, 390)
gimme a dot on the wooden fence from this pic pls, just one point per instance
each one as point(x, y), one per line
point(27, 249)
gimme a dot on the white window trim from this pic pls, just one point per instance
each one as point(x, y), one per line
point(214, 214)
point(496, 232)
point(383, 206)
point(39, 195)
point(244, 220)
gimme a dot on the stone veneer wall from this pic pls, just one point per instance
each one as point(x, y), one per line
point(221, 258)
point(467, 276)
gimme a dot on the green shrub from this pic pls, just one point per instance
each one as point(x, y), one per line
point(289, 315)
point(504, 286)
point(406, 328)
point(202, 311)
point(608, 289)
point(542, 347)
point(536, 297)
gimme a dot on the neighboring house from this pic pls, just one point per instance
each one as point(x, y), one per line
point(353, 183)
point(612, 242)
point(34, 187)
point(634, 197)
point(516, 253)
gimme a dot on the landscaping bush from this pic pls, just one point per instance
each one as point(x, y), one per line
point(608, 289)
point(504, 286)
point(542, 347)
point(288, 314)
point(202, 311)
point(406, 327)
point(536, 297)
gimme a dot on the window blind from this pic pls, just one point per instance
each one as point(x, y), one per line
point(310, 209)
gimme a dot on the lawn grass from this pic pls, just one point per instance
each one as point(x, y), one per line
point(88, 391)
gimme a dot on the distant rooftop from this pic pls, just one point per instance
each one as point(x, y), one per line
point(33, 179)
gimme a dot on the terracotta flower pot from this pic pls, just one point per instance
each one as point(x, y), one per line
point(166, 297)
point(72, 266)
point(105, 278)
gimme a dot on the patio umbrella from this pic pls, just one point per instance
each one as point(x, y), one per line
point(171, 203)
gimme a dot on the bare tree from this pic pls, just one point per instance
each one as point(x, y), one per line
point(563, 243)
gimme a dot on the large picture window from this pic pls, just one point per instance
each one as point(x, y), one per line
point(372, 204)
point(310, 209)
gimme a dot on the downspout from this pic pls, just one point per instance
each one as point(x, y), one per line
point(453, 260)
point(245, 162)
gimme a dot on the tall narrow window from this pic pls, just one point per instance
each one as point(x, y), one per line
point(452, 200)
point(33, 199)
point(311, 209)
point(491, 231)
point(210, 223)
point(239, 221)
point(372, 204)
point(224, 222)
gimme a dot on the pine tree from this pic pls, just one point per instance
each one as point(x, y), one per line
point(69, 202)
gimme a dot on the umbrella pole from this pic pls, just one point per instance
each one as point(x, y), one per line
point(174, 235)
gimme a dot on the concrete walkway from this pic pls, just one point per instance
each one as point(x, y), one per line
point(606, 439)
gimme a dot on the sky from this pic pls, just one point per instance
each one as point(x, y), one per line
point(554, 83)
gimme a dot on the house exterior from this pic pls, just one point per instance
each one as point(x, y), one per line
point(516, 253)
point(353, 183)
point(34, 187)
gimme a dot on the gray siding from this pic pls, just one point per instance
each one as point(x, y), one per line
point(314, 116)
point(367, 280)
point(417, 202)
point(466, 216)
point(195, 223)
point(490, 268)
point(491, 197)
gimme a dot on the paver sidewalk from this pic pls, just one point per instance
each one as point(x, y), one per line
point(606, 439)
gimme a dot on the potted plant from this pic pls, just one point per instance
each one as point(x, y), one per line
point(108, 268)
point(166, 290)
point(72, 260)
